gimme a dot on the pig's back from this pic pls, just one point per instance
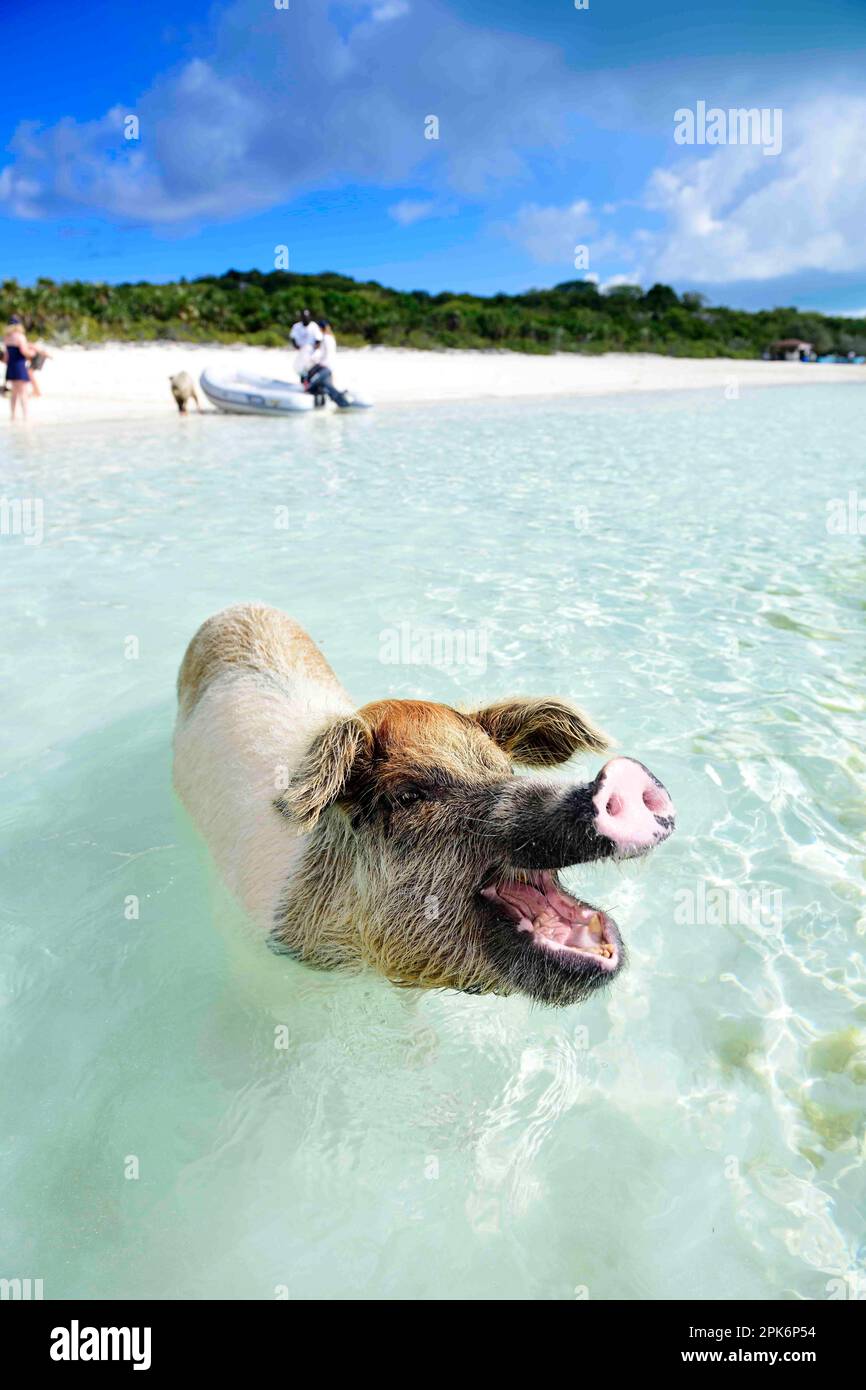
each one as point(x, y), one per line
point(253, 691)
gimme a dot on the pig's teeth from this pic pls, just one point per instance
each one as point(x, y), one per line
point(595, 927)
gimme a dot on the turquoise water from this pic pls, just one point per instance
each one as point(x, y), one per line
point(699, 1131)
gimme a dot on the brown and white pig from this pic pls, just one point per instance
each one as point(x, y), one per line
point(398, 836)
point(183, 390)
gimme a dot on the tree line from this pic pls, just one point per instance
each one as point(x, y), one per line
point(259, 308)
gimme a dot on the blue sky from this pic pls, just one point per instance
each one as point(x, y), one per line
point(304, 127)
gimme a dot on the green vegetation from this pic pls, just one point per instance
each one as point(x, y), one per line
point(258, 308)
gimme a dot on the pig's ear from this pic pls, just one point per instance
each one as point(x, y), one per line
point(540, 732)
point(325, 770)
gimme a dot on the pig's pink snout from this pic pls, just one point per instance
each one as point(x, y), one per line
point(632, 809)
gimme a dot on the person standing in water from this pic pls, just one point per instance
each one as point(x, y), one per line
point(17, 352)
point(306, 335)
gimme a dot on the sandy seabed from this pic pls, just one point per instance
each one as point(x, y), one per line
point(130, 380)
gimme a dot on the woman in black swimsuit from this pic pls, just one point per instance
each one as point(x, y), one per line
point(18, 353)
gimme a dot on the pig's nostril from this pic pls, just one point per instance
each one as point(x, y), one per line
point(654, 800)
point(614, 805)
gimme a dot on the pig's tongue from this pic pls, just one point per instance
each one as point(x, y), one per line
point(539, 905)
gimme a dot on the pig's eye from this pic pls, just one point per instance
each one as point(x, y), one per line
point(409, 798)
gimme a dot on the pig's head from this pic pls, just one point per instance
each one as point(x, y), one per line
point(430, 860)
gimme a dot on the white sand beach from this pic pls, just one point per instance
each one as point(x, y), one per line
point(120, 380)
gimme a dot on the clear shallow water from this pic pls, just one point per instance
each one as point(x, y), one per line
point(699, 1131)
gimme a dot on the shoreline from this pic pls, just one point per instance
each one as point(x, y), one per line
point(114, 381)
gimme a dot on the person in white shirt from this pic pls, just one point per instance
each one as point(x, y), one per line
point(319, 378)
point(325, 351)
point(306, 335)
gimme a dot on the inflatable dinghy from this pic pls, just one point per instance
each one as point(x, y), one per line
point(242, 393)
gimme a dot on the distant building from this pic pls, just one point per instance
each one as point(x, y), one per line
point(789, 350)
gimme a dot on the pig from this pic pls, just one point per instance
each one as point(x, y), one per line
point(183, 390)
point(398, 837)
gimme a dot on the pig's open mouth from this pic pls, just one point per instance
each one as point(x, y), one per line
point(567, 930)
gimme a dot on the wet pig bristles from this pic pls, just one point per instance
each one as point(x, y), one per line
point(397, 837)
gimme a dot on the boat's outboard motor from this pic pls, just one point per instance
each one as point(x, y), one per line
point(320, 381)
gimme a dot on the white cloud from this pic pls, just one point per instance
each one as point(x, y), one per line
point(267, 110)
point(732, 214)
point(390, 9)
point(550, 234)
point(736, 215)
point(408, 211)
point(614, 280)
